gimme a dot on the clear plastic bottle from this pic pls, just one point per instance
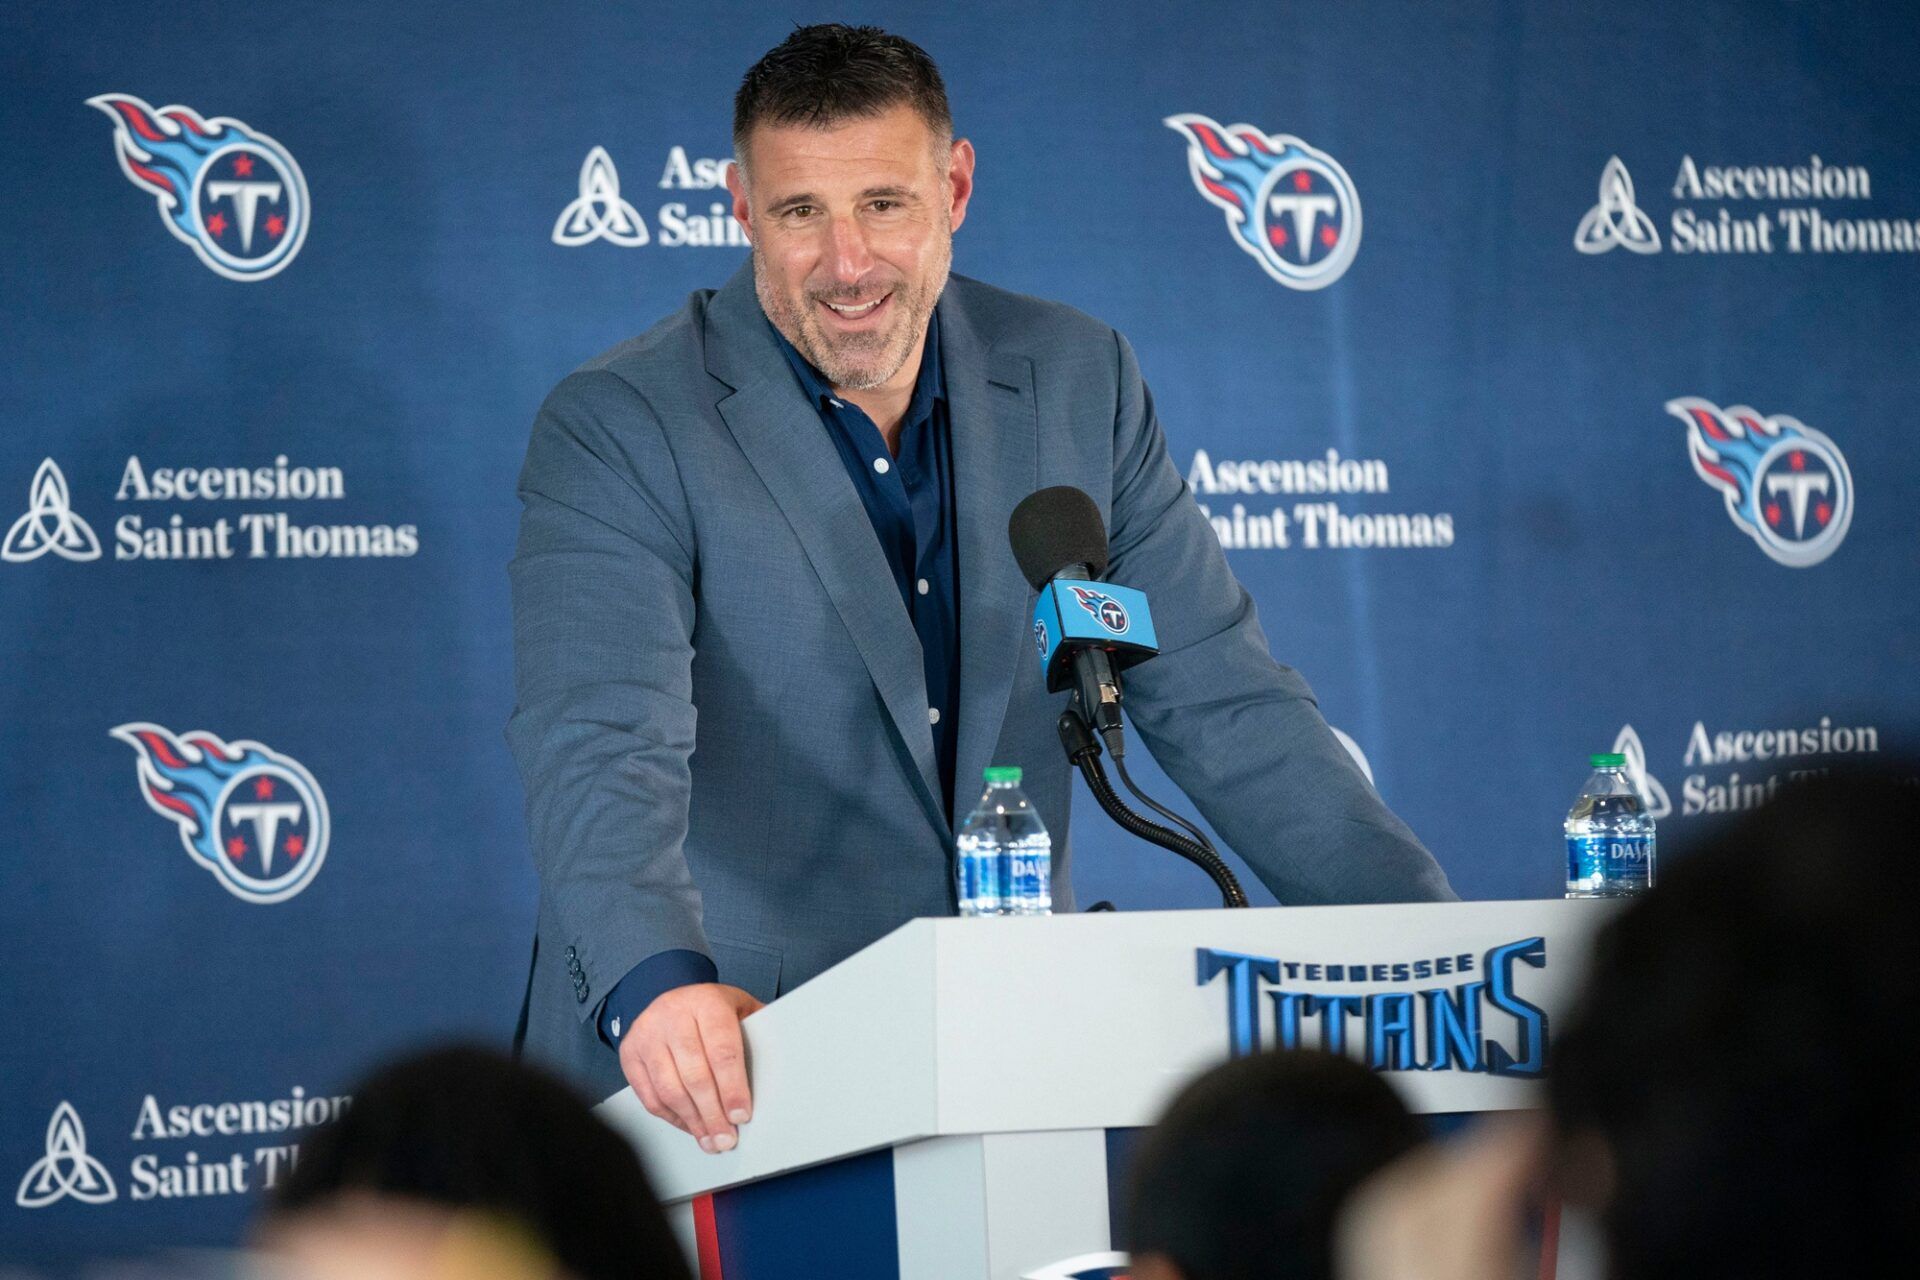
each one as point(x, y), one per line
point(1609, 835)
point(1003, 862)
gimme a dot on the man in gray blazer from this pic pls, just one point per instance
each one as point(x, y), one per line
point(769, 630)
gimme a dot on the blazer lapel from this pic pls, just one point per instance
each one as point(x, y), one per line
point(787, 446)
point(996, 424)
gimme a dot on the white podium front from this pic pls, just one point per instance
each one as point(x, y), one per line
point(960, 1098)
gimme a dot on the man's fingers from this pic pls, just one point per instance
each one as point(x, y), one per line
point(686, 1060)
point(643, 1089)
point(633, 1065)
point(727, 1055)
point(690, 1056)
point(673, 1094)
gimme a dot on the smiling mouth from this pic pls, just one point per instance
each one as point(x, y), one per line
point(854, 311)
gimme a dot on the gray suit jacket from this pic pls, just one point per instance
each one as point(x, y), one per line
point(721, 715)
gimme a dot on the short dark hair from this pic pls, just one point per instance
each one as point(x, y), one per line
point(1245, 1174)
point(1745, 1045)
point(822, 75)
point(467, 1128)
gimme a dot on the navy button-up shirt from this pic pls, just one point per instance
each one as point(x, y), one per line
point(909, 499)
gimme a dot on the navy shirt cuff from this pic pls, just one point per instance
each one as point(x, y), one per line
point(652, 977)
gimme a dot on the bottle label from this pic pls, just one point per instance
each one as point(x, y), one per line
point(1030, 871)
point(977, 868)
point(1619, 862)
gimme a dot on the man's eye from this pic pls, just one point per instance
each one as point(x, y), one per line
point(800, 211)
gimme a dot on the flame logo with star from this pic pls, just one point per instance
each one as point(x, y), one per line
point(1107, 611)
point(253, 817)
point(227, 191)
point(1288, 204)
point(1786, 485)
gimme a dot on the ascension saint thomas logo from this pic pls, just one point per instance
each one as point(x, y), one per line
point(66, 1169)
point(50, 524)
point(599, 212)
point(1615, 219)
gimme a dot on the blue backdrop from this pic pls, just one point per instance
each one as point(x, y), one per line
point(1615, 377)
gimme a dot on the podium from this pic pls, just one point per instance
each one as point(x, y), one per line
point(960, 1099)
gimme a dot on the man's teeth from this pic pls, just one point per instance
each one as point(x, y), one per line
point(859, 310)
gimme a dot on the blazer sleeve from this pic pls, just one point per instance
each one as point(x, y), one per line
point(603, 581)
point(1238, 732)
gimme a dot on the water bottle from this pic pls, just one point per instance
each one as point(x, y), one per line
point(1003, 863)
point(1609, 835)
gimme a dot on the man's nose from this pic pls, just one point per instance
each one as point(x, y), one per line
point(851, 258)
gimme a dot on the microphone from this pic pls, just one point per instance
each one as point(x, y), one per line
point(1086, 631)
point(1057, 530)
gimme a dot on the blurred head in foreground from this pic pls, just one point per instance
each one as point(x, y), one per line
point(1735, 1094)
point(1243, 1176)
point(461, 1163)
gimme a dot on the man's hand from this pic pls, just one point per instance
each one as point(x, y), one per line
point(685, 1057)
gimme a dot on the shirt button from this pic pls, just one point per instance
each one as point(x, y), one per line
point(835, 403)
point(615, 1028)
point(882, 465)
point(925, 586)
point(933, 715)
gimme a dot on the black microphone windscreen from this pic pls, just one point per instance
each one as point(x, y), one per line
point(1056, 527)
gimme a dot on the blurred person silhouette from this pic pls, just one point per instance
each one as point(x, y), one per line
point(1243, 1176)
point(1732, 1096)
point(457, 1163)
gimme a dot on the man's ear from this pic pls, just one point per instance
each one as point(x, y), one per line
point(742, 211)
point(960, 180)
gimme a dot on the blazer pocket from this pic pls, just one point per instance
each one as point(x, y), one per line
point(755, 970)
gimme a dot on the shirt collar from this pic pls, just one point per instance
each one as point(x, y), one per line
point(930, 385)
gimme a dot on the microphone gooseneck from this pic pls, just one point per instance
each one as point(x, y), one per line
point(1083, 751)
point(1126, 780)
point(1057, 535)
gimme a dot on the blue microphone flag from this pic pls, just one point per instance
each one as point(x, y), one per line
point(1072, 614)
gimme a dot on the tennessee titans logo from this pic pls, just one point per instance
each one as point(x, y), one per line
point(230, 193)
point(1040, 639)
point(1292, 207)
point(1107, 611)
point(1786, 485)
point(254, 818)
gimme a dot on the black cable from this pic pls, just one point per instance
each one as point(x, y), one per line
point(1083, 751)
point(1231, 894)
point(1120, 767)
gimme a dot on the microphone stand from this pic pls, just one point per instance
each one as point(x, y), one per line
point(1083, 752)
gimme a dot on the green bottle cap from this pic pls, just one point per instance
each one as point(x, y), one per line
point(1608, 761)
point(1003, 773)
